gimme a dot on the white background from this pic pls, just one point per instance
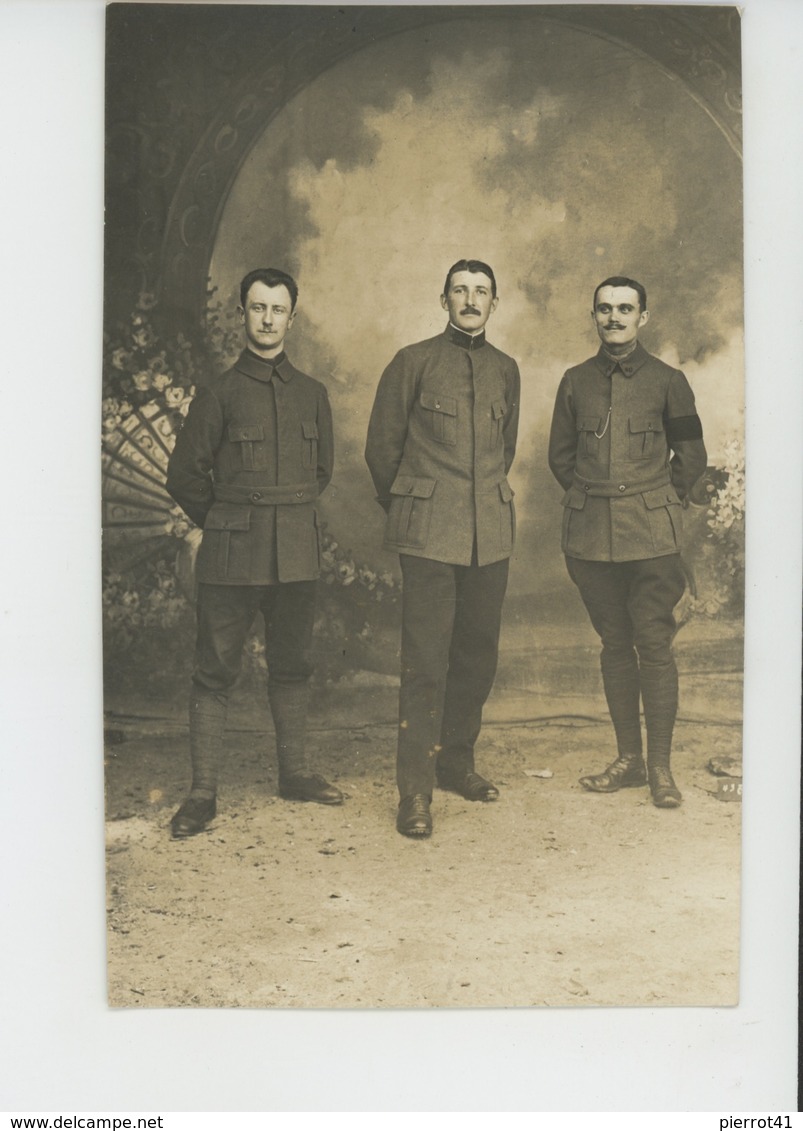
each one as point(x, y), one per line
point(61, 1048)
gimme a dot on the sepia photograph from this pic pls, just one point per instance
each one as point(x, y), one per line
point(423, 505)
point(401, 634)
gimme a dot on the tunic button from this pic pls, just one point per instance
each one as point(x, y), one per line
point(299, 494)
point(586, 487)
point(622, 487)
point(256, 496)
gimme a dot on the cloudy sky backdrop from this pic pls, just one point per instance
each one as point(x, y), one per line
point(556, 156)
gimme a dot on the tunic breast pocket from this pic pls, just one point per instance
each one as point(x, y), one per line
point(642, 435)
point(498, 410)
point(244, 437)
point(440, 415)
point(309, 446)
point(589, 434)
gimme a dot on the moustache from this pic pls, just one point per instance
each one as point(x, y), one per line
point(614, 326)
point(470, 310)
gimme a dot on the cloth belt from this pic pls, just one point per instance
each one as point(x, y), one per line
point(617, 489)
point(256, 495)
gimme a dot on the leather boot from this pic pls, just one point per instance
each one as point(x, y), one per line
point(207, 725)
point(289, 704)
point(208, 710)
point(665, 794)
point(628, 770)
point(620, 678)
point(659, 691)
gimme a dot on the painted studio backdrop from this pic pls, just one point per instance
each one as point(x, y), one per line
point(364, 150)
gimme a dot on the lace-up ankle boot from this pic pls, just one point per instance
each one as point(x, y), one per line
point(628, 770)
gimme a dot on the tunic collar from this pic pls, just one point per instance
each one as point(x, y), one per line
point(628, 365)
point(465, 341)
point(263, 369)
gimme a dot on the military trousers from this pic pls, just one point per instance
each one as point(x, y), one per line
point(226, 614)
point(451, 618)
point(631, 608)
point(631, 603)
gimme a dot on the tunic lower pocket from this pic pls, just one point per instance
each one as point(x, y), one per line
point(576, 538)
point(410, 512)
point(507, 516)
point(665, 515)
point(225, 549)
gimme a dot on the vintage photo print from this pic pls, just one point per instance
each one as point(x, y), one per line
point(423, 505)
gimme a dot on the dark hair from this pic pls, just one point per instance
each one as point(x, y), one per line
point(621, 281)
point(475, 266)
point(271, 277)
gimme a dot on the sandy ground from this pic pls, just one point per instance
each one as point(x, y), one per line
point(549, 897)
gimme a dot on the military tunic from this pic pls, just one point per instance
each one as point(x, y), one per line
point(255, 451)
point(441, 440)
point(626, 445)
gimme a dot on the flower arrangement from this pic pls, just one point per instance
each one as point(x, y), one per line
point(142, 366)
point(720, 551)
point(150, 599)
point(338, 567)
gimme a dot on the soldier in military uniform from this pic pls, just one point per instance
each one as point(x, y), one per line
point(255, 452)
point(441, 440)
point(627, 447)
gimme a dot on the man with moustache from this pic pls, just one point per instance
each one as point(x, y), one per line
point(255, 452)
point(627, 447)
point(441, 440)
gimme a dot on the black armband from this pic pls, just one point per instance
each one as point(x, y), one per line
point(684, 428)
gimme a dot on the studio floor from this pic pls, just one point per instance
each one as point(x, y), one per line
point(549, 897)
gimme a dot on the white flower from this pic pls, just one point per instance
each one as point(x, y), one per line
point(160, 381)
point(120, 357)
point(174, 396)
